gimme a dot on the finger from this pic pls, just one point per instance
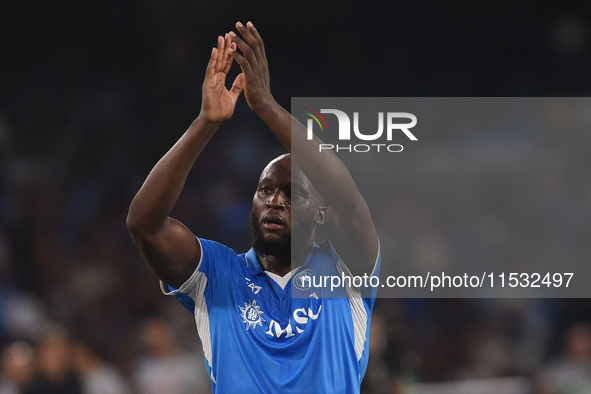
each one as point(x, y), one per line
point(249, 39)
point(227, 60)
point(246, 49)
point(257, 37)
point(220, 58)
point(212, 63)
point(244, 64)
point(237, 86)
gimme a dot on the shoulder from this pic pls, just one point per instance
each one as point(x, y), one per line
point(326, 252)
point(323, 258)
point(209, 245)
point(215, 251)
point(325, 248)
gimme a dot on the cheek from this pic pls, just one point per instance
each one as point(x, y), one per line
point(303, 214)
point(257, 204)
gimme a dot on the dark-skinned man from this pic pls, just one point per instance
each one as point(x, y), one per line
point(256, 337)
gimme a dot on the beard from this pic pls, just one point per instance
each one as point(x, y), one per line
point(281, 247)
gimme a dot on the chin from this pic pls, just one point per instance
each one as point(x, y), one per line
point(267, 234)
point(266, 242)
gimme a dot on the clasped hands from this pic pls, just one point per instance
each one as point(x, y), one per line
point(218, 102)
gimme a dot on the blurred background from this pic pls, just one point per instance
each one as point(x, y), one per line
point(92, 94)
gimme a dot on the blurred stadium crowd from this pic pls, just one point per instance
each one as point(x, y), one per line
point(92, 98)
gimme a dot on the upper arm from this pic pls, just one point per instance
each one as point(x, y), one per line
point(354, 236)
point(172, 251)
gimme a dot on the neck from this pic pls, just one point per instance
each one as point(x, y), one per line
point(283, 265)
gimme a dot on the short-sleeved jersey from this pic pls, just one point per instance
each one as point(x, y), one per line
point(257, 338)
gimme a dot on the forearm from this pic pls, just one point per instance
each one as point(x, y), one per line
point(355, 234)
point(159, 193)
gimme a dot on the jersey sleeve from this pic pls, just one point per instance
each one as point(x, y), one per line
point(369, 292)
point(373, 290)
point(215, 260)
point(361, 302)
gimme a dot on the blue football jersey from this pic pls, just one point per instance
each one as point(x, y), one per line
point(258, 338)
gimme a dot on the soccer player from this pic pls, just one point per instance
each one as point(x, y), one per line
point(256, 337)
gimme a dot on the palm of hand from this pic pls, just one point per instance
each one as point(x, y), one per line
point(218, 102)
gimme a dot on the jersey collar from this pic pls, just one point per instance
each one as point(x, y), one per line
point(255, 267)
point(252, 262)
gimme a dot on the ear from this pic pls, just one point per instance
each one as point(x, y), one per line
point(321, 215)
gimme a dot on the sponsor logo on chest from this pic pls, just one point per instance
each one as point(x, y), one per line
point(251, 315)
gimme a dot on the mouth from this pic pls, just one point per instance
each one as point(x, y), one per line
point(273, 222)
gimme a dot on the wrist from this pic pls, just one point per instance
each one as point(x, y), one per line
point(203, 124)
point(266, 106)
point(205, 121)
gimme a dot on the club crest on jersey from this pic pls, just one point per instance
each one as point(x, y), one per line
point(251, 314)
point(301, 279)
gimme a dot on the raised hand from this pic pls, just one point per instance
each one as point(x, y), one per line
point(218, 102)
point(253, 61)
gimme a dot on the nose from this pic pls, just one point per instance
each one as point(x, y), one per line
point(276, 200)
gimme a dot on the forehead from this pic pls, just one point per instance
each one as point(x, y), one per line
point(281, 169)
